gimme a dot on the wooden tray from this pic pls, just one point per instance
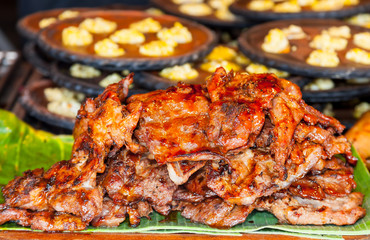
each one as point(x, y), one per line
point(28, 26)
point(295, 62)
point(50, 42)
point(240, 7)
point(210, 20)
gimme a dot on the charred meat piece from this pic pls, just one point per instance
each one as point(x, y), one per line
point(319, 198)
point(132, 178)
point(215, 212)
point(331, 210)
point(45, 220)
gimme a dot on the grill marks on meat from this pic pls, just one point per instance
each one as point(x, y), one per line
point(215, 212)
point(70, 186)
point(132, 178)
point(45, 220)
point(321, 197)
point(332, 210)
point(233, 125)
point(213, 152)
point(173, 121)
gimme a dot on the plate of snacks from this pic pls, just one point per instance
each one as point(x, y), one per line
point(87, 79)
point(30, 25)
point(119, 39)
point(310, 47)
point(267, 10)
point(52, 104)
point(213, 13)
point(225, 56)
point(335, 90)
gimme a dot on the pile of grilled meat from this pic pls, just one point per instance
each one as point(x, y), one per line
point(214, 152)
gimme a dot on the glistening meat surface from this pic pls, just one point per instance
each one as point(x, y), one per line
point(214, 152)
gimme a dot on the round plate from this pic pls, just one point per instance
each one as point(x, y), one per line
point(240, 8)
point(153, 81)
point(37, 58)
point(34, 101)
point(209, 20)
point(294, 62)
point(340, 93)
point(28, 26)
point(50, 41)
point(90, 86)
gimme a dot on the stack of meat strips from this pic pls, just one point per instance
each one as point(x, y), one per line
point(213, 152)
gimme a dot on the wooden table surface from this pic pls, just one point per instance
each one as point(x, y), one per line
point(11, 86)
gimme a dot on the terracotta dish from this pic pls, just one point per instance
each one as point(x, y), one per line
point(295, 61)
point(50, 41)
point(28, 26)
point(240, 8)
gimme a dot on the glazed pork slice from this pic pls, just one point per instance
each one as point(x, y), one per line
point(131, 178)
point(103, 126)
point(45, 220)
point(323, 197)
point(215, 212)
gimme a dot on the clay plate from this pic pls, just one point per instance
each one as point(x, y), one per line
point(90, 86)
point(34, 101)
point(28, 26)
point(152, 80)
point(294, 62)
point(240, 8)
point(50, 41)
point(209, 20)
point(37, 58)
point(340, 93)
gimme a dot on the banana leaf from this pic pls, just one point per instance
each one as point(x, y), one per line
point(23, 148)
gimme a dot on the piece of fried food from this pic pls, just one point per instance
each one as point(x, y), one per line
point(358, 55)
point(326, 42)
point(178, 33)
point(108, 48)
point(362, 40)
point(68, 14)
point(179, 72)
point(196, 9)
point(157, 48)
point(98, 25)
point(323, 58)
point(147, 25)
point(74, 36)
point(276, 42)
point(127, 36)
